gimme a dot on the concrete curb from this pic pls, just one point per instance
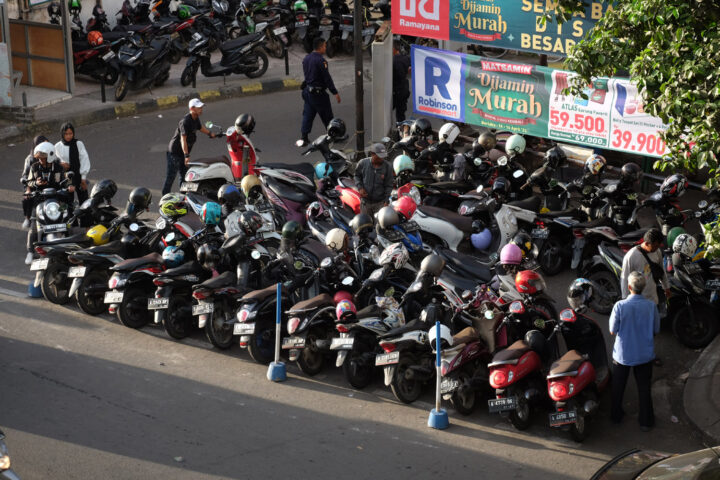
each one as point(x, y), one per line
point(127, 109)
point(701, 397)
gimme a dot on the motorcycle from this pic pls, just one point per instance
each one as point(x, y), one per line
point(142, 64)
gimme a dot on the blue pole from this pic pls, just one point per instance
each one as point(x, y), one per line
point(438, 418)
point(276, 370)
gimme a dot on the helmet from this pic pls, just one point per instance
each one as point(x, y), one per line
point(105, 189)
point(74, 6)
point(173, 205)
point(249, 185)
point(580, 293)
point(673, 234)
point(536, 341)
point(345, 309)
point(183, 12)
point(361, 224)
point(336, 240)
point(54, 9)
point(342, 295)
point(229, 195)
point(173, 256)
point(387, 217)
point(446, 338)
point(482, 239)
point(511, 254)
point(524, 241)
point(250, 222)
point(529, 282)
point(336, 128)
point(245, 123)
point(47, 149)
point(291, 230)
point(395, 254)
point(630, 173)
point(448, 133)
point(501, 186)
point(208, 256)
point(674, 186)
point(211, 213)
point(138, 200)
point(403, 163)
point(95, 38)
point(515, 144)
point(405, 206)
point(685, 244)
point(314, 210)
point(487, 140)
point(432, 264)
point(96, 233)
point(595, 164)
point(555, 157)
point(421, 127)
point(323, 170)
point(476, 150)
point(300, 5)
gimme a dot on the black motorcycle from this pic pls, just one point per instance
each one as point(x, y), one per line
point(142, 64)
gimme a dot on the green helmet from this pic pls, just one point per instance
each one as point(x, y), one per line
point(74, 5)
point(183, 12)
point(515, 144)
point(300, 6)
point(402, 163)
point(673, 234)
point(291, 230)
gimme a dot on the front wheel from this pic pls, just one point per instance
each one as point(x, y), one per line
point(122, 87)
point(132, 311)
point(609, 288)
point(464, 398)
point(275, 47)
point(178, 320)
point(404, 387)
point(188, 75)
point(262, 64)
point(55, 285)
point(90, 297)
point(174, 56)
point(520, 417)
point(217, 330)
point(552, 258)
point(695, 325)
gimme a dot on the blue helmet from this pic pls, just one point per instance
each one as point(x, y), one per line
point(402, 163)
point(173, 256)
point(323, 170)
point(211, 213)
point(482, 239)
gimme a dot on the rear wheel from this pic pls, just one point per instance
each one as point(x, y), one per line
point(132, 311)
point(178, 319)
point(174, 56)
point(331, 49)
point(122, 87)
point(90, 297)
point(578, 430)
point(520, 417)
point(696, 325)
point(552, 258)
point(262, 64)
point(55, 283)
point(357, 368)
point(275, 47)
point(464, 398)
point(405, 388)
point(609, 289)
point(312, 359)
point(217, 330)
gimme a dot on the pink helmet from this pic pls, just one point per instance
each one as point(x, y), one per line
point(345, 309)
point(511, 254)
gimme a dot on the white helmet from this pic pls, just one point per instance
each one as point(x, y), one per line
point(336, 240)
point(446, 339)
point(448, 133)
point(685, 244)
point(46, 148)
point(396, 254)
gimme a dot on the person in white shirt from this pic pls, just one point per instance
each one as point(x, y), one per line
point(74, 158)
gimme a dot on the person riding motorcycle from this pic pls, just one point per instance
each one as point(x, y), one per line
point(238, 137)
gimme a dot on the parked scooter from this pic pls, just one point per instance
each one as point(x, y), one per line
point(142, 64)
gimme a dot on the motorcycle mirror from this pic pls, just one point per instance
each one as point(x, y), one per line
point(502, 161)
point(347, 281)
point(489, 314)
point(208, 124)
point(539, 323)
point(466, 295)
point(134, 227)
point(518, 173)
point(702, 204)
point(255, 255)
point(698, 214)
point(478, 162)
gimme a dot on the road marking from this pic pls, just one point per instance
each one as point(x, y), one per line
point(13, 293)
point(209, 94)
point(14, 279)
point(169, 101)
point(10, 225)
point(291, 82)
point(125, 109)
point(252, 88)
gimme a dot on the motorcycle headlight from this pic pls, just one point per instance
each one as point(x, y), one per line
point(415, 195)
point(5, 462)
point(52, 210)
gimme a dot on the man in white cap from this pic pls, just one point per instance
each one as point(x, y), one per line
point(178, 154)
point(374, 179)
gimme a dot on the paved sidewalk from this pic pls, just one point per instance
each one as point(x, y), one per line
point(701, 398)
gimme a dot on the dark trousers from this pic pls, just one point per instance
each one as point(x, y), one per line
point(27, 205)
point(315, 104)
point(643, 377)
point(400, 100)
point(175, 165)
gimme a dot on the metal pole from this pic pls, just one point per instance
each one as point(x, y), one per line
point(359, 105)
point(278, 315)
point(245, 160)
point(102, 87)
point(287, 63)
point(438, 346)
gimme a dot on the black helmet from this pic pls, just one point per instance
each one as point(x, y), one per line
point(361, 224)
point(250, 222)
point(336, 128)
point(630, 173)
point(555, 157)
point(501, 186)
point(487, 140)
point(580, 293)
point(421, 127)
point(432, 264)
point(245, 123)
point(477, 149)
point(229, 195)
point(104, 189)
point(536, 341)
point(291, 230)
point(53, 9)
point(524, 241)
point(138, 200)
point(208, 256)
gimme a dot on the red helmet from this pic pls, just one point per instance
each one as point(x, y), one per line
point(405, 206)
point(95, 38)
point(342, 295)
point(529, 281)
point(344, 310)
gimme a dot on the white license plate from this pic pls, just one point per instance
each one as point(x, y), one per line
point(113, 297)
point(76, 272)
point(713, 284)
point(55, 227)
point(502, 404)
point(346, 28)
point(158, 303)
point(448, 385)
point(342, 343)
point(189, 187)
point(540, 233)
point(304, 23)
point(368, 31)
point(197, 37)
point(39, 264)
point(293, 342)
point(244, 329)
point(326, 28)
point(108, 55)
point(280, 30)
point(692, 268)
point(202, 308)
point(562, 418)
point(387, 358)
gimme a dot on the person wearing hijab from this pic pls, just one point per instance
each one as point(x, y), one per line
point(29, 160)
point(74, 158)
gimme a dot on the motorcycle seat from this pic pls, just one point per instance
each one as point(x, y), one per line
point(466, 335)
point(461, 222)
point(133, 263)
point(567, 365)
point(322, 300)
point(223, 280)
point(231, 45)
point(369, 311)
point(347, 182)
point(192, 220)
point(80, 238)
point(462, 263)
point(210, 160)
point(512, 353)
point(262, 294)
point(114, 36)
point(109, 248)
point(184, 269)
point(408, 327)
point(633, 236)
point(306, 169)
point(296, 192)
point(532, 204)
point(317, 248)
point(449, 186)
point(342, 214)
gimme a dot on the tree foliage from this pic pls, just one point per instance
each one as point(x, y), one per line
point(672, 50)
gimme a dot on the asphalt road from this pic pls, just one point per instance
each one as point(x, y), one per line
point(84, 397)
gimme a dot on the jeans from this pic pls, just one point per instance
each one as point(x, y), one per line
point(643, 378)
point(175, 165)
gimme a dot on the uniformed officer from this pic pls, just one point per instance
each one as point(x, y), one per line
point(317, 81)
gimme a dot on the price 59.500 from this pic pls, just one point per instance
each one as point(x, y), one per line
point(578, 121)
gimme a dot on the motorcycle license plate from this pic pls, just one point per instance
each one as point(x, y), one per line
point(203, 308)
point(387, 358)
point(325, 28)
point(496, 405)
point(346, 28)
point(108, 55)
point(39, 264)
point(113, 297)
point(158, 303)
point(244, 329)
point(280, 30)
point(76, 272)
point(303, 23)
point(189, 187)
point(713, 284)
point(449, 385)
point(368, 31)
point(692, 268)
point(563, 418)
point(342, 343)
point(293, 342)
point(57, 227)
point(540, 233)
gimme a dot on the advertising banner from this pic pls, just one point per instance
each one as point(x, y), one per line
point(529, 100)
point(509, 24)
